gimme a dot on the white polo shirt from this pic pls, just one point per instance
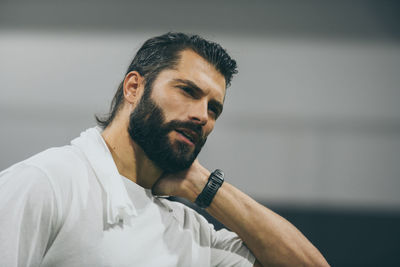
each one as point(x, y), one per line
point(69, 206)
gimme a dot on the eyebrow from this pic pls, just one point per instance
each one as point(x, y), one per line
point(215, 103)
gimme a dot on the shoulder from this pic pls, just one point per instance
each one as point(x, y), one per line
point(58, 161)
point(64, 166)
point(21, 178)
point(226, 248)
point(183, 213)
point(64, 169)
point(39, 176)
point(189, 219)
point(26, 190)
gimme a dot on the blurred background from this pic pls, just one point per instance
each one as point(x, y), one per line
point(311, 124)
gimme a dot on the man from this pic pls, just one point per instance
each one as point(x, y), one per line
point(94, 202)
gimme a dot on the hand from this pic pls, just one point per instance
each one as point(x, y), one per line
point(187, 183)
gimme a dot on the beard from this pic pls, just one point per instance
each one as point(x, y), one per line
point(147, 127)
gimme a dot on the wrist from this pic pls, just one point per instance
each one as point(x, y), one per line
point(193, 187)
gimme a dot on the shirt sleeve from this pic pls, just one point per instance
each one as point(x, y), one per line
point(27, 212)
point(227, 249)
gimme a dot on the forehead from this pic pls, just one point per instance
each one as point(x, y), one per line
point(195, 68)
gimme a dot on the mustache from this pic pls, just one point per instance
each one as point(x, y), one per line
point(198, 129)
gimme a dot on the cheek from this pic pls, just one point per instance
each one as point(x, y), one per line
point(208, 129)
point(174, 107)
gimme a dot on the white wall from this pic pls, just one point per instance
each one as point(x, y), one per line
point(306, 121)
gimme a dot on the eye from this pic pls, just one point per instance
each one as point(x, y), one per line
point(214, 112)
point(187, 90)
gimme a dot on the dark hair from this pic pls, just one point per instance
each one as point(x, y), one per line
point(163, 52)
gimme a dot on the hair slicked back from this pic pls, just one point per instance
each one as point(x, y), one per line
point(163, 52)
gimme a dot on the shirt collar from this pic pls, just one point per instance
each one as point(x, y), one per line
point(119, 205)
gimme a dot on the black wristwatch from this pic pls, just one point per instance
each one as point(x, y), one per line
point(206, 196)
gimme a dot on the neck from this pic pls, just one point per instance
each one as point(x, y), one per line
point(130, 159)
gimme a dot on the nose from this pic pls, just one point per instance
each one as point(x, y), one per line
point(199, 112)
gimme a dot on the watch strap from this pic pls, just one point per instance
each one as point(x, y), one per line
point(214, 182)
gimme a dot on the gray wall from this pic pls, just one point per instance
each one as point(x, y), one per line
point(312, 119)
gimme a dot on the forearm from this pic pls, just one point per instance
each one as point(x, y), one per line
point(271, 238)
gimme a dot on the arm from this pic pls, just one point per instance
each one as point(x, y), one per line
point(27, 210)
point(272, 239)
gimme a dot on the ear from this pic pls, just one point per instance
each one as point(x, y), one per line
point(133, 86)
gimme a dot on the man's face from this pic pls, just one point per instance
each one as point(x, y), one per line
point(171, 125)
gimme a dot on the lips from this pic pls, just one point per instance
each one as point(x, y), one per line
point(192, 136)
